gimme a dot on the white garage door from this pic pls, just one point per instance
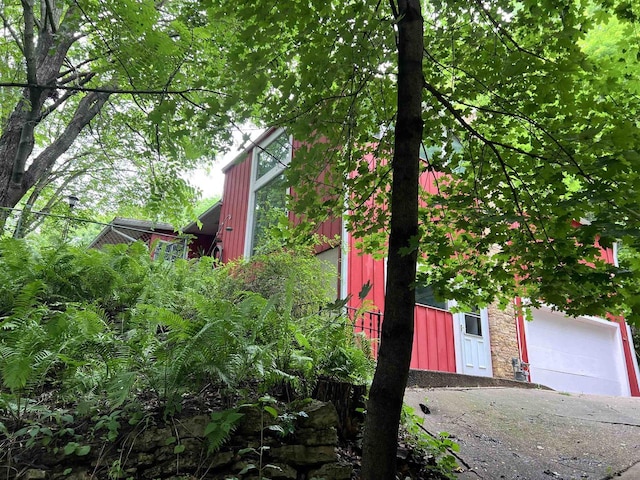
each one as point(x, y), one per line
point(581, 355)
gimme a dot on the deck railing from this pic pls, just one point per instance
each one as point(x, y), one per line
point(369, 323)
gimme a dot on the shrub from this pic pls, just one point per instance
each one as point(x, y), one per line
point(104, 327)
point(271, 274)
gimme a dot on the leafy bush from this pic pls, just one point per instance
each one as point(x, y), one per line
point(103, 328)
point(270, 275)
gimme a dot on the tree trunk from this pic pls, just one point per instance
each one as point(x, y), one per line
point(389, 382)
point(44, 57)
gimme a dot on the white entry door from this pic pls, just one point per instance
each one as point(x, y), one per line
point(473, 348)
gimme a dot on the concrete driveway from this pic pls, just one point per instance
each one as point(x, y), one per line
point(530, 434)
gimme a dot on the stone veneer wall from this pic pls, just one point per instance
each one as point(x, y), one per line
point(504, 340)
point(149, 452)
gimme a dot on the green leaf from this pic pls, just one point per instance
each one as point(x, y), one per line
point(178, 449)
point(70, 448)
point(249, 467)
point(277, 428)
point(270, 410)
point(82, 450)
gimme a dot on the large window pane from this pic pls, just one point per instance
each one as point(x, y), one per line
point(270, 205)
point(273, 155)
point(426, 296)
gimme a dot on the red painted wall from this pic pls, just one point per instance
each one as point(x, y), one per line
point(235, 201)
point(199, 246)
point(433, 343)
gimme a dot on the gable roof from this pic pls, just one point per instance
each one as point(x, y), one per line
point(210, 220)
point(129, 230)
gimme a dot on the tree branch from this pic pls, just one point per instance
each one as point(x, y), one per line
point(87, 109)
point(12, 32)
point(504, 32)
point(489, 143)
point(110, 91)
point(49, 14)
point(68, 94)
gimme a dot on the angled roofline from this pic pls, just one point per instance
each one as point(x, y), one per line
point(132, 224)
point(243, 153)
point(193, 226)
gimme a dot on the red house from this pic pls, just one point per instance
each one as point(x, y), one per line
point(583, 355)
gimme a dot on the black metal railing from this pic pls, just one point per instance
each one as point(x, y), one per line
point(369, 323)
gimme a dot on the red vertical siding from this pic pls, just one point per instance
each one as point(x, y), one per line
point(362, 270)
point(433, 347)
point(235, 203)
point(329, 228)
point(607, 255)
point(433, 343)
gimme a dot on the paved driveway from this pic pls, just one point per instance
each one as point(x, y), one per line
point(512, 433)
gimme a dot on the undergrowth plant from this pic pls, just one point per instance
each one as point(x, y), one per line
point(102, 330)
point(439, 449)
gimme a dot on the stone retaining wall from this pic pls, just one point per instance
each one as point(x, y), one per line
point(178, 449)
point(504, 340)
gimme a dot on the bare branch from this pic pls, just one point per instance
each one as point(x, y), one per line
point(29, 47)
point(49, 12)
point(87, 109)
point(506, 34)
point(491, 145)
point(74, 68)
point(68, 94)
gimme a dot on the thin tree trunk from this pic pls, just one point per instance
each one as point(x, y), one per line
point(387, 391)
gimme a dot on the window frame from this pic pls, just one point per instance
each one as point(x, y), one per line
point(444, 303)
point(164, 249)
point(258, 183)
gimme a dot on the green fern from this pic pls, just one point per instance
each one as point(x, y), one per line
point(221, 426)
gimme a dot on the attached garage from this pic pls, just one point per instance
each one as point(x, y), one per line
point(580, 355)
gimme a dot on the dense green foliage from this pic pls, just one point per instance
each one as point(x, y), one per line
point(529, 110)
point(110, 101)
point(102, 328)
point(534, 131)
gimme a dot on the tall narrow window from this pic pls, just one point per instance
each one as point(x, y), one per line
point(268, 191)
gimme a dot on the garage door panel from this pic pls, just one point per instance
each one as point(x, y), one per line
point(576, 355)
point(587, 365)
point(588, 384)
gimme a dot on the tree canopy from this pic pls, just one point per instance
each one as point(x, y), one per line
point(527, 114)
point(122, 94)
point(528, 108)
point(531, 132)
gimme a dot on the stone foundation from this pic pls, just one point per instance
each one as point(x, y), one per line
point(179, 449)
